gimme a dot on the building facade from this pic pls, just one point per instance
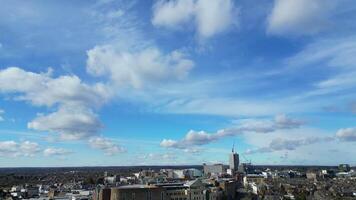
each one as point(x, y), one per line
point(138, 192)
point(216, 169)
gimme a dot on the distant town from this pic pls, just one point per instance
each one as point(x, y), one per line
point(207, 182)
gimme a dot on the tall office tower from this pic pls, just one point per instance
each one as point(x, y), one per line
point(234, 160)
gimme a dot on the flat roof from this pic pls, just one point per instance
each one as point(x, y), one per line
point(136, 186)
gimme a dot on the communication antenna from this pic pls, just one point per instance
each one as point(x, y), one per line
point(233, 147)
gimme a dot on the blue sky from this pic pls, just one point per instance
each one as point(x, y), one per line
point(118, 82)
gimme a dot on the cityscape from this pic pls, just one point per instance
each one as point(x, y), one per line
point(177, 99)
point(205, 182)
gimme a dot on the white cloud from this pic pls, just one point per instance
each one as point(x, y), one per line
point(282, 121)
point(337, 54)
point(169, 143)
point(281, 144)
point(299, 17)
point(56, 152)
point(43, 90)
point(71, 123)
point(208, 17)
point(1, 113)
point(333, 52)
point(347, 134)
point(74, 99)
point(192, 150)
point(337, 81)
point(137, 69)
point(173, 13)
point(28, 148)
point(214, 17)
point(106, 145)
point(160, 157)
point(8, 148)
point(305, 145)
point(192, 138)
point(222, 106)
point(14, 149)
point(197, 138)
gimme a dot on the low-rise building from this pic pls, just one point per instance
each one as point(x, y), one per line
point(215, 170)
point(138, 192)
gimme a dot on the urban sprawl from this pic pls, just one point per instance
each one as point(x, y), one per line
point(207, 182)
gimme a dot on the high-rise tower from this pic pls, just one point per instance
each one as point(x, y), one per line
point(234, 160)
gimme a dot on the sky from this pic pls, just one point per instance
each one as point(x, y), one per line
point(177, 82)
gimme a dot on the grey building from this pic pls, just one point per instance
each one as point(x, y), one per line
point(234, 161)
point(216, 169)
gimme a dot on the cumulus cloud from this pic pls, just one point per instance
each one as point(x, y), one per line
point(346, 134)
point(137, 69)
point(28, 148)
point(214, 17)
point(71, 123)
point(197, 138)
point(280, 144)
point(74, 99)
point(42, 90)
point(191, 139)
point(15, 149)
point(173, 13)
point(56, 152)
point(106, 145)
point(302, 17)
point(208, 17)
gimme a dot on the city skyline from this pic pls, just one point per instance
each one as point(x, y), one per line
point(120, 83)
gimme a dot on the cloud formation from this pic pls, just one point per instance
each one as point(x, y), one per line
point(197, 138)
point(137, 69)
point(281, 144)
point(173, 13)
point(56, 152)
point(208, 17)
point(347, 134)
point(302, 17)
point(160, 156)
point(191, 103)
point(69, 122)
point(14, 149)
point(41, 89)
point(106, 145)
point(192, 138)
point(75, 100)
point(337, 55)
